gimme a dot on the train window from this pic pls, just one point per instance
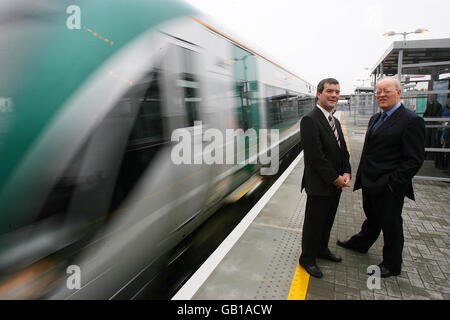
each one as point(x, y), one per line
point(305, 104)
point(188, 80)
point(146, 137)
point(291, 112)
point(148, 126)
point(191, 99)
point(283, 106)
point(275, 103)
point(111, 161)
point(6, 116)
point(244, 115)
point(246, 88)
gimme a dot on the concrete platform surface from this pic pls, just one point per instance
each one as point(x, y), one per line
point(262, 263)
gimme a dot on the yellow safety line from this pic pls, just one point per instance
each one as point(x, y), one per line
point(299, 286)
point(344, 132)
point(246, 190)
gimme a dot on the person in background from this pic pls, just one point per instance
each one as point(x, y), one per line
point(444, 138)
point(433, 110)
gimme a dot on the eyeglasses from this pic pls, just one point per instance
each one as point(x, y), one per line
point(386, 92)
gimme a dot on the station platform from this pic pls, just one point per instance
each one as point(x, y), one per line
point(259, 260)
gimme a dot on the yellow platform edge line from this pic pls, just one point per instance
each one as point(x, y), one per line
point(299, 286)
point(247, 190)
point(344, 132)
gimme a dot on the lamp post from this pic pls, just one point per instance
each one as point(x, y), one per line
point(363, 80)
point(400, 52)
point(393, 33)
point(372, 80)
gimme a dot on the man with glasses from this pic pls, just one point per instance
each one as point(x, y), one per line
point(393, 152)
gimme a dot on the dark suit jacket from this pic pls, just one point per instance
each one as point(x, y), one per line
point(324, 159)
point(393, 153)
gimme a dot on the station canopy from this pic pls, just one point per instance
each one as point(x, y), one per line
point(419, 57)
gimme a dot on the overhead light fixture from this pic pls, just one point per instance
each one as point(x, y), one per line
point(393, 33)
point(421, 31)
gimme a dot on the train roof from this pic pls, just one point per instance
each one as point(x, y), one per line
point(244, 46)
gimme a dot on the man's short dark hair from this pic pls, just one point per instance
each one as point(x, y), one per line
point(321, 84)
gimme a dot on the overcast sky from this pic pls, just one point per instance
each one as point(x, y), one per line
point(325, 38)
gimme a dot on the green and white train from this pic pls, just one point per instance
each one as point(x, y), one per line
point(90, 94)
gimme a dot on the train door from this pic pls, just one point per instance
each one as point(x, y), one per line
point(246, 79)
point(183, 92)
point(247, 104)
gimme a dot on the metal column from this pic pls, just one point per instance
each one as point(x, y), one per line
point(400, 65)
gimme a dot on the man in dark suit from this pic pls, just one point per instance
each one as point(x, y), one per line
point(393, 152)
point(327, 172)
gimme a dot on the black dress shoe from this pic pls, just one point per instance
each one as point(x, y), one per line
point(331, 256)
point(313, 270)
point(385, 272)
point(348, 245)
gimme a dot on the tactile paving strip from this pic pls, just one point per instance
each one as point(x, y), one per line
point(278, 277)
point(262, 264)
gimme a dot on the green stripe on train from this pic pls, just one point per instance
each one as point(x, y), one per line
point(59, 61)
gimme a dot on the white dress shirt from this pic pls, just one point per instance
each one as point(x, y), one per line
point(325, 113)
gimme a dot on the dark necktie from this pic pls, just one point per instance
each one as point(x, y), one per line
point(379, 122)
point(333, 127)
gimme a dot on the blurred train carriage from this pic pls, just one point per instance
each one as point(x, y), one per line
point(86, 176)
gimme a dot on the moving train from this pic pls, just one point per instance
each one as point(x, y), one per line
point(91, 94)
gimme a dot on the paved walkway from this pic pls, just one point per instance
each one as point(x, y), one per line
point(426, 255)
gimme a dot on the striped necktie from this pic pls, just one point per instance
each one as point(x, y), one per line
point(333, 127)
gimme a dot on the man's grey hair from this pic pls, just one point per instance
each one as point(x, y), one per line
point(397, 83)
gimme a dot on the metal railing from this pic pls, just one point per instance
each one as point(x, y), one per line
point(437, 130)
point(362, 108)
point(437, 134)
